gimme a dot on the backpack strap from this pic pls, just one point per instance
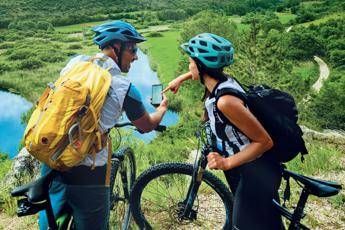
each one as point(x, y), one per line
point(222, 120)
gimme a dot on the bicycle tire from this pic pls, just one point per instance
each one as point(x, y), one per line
point(156, 174)
point(120, 216)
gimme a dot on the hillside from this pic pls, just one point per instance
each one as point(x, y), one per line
point(39, 36)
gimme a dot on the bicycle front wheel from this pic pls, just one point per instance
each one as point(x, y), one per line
point(123, 170)
point(158, 197)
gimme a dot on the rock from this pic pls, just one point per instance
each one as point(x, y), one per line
point(24, 166)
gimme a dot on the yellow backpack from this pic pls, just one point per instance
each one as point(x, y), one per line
point(63, 128)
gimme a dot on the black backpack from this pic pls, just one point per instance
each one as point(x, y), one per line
point(277, 112)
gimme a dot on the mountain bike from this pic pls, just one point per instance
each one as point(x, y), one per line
point(181, 195)
point(35, 195)
point(186, 196)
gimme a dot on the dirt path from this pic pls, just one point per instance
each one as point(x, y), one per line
point(16, 223)
point(288, 29)
point(324, 74)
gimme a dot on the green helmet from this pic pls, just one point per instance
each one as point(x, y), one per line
point(211, 50)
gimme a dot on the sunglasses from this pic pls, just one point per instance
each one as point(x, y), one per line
point(132, 49)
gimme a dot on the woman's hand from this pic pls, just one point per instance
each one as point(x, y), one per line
point(216, 161)
point(173, 86)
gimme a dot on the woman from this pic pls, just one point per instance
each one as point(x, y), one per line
point(253, 177)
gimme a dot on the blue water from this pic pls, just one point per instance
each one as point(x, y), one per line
point(12, 107)
point(143, 77)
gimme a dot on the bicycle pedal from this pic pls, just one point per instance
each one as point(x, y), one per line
point(26, 208)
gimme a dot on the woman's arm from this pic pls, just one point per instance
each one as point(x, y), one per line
point(234, 109)
point(175, 84)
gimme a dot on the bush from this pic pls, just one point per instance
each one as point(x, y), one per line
point(30, 63)
point(338, 58)
point(171, 14)
point(51, 56)
point(154, 34)
point(20, 54)
point(4, 67)
point(75, 46)
point(328, 106)
point(6, 45)
point(303, 44)
point(70, 39)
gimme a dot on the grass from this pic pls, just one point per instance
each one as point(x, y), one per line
point(284, 18)
point(307, 71)
point(164, 54)
point(235, 18)
point(321, 158)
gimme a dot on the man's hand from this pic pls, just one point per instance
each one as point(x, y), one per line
point(216, 161)
point(164, 102)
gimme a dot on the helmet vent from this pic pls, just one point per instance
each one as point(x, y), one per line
point(126, 32)
point(191, 49)
point(227, 48)
point(193, 41)
point(212, 59)
point(100, 38)
point(203, 43)
point(202, 51)
point(216, 39)
point(114, 30)
point(216, 48)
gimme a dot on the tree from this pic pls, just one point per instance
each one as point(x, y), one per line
point(303, 44)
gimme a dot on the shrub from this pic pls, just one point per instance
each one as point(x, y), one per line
point(154, 34)
point(30, 63)
point(75, 46)
point(20, 54)
point(6, 45)
point(51, 56)
point(4, 67)
point(338, 58)
point(70, 39)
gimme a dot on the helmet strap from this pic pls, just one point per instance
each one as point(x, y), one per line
point(120, 53)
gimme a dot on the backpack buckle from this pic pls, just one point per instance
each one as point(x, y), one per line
point(82, 110)
point(72, 132)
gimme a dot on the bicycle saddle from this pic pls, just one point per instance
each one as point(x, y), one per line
point(36, 191)
point(316, 187)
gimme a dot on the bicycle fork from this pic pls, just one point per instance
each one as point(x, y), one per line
point(193, 189)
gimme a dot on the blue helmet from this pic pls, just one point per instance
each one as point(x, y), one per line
point(211, 50)
point(116, 30)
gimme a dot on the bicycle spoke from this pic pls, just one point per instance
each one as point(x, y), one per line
point(161, 199)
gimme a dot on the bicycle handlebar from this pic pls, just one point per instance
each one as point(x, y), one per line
point(159, 128)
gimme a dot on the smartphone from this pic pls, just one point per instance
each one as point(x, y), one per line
point(157, 96)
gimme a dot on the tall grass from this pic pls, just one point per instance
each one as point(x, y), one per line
point(322, 158)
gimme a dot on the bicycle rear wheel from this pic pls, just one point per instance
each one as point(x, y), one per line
point(123, 170)
point(157, 199)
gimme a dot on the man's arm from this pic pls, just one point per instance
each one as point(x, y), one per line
point(137, 114)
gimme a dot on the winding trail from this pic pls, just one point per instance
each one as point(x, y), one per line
point(324, 74)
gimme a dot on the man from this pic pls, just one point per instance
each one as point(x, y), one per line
point(83, 189)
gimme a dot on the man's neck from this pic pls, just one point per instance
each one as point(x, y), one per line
point(110, 53)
